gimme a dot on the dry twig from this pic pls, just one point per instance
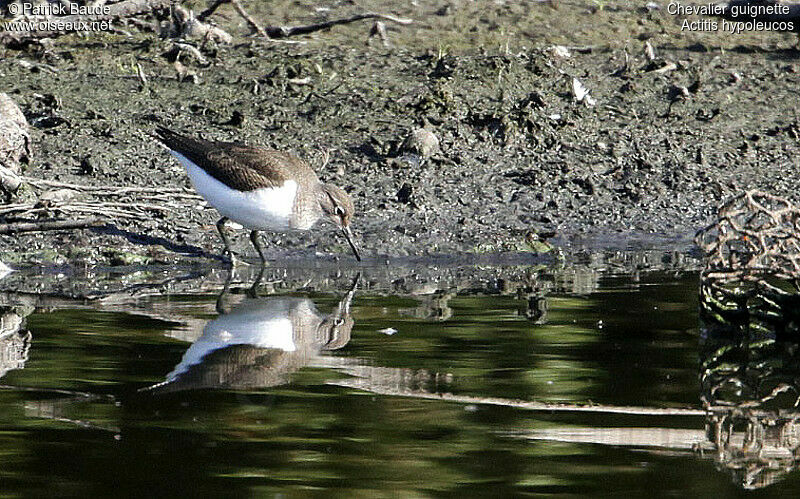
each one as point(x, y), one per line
point(247, 17)
point(84, 223)
point(287, 31)
point(112, 190)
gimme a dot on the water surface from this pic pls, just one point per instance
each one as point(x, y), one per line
point(580, 387)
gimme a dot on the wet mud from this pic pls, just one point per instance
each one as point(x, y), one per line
point(518, 157)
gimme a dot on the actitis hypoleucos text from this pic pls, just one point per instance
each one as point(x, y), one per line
point(259, 188)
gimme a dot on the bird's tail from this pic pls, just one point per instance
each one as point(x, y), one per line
point(175, 141)
point(166, 136)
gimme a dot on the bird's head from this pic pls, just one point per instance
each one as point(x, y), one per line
point(338, 207)
point(335, 329)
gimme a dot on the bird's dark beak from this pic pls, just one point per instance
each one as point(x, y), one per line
point(349, 236)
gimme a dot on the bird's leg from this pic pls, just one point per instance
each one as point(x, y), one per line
point(221, 228)
point(220, 304)
point(257, 244)
point(253, 291)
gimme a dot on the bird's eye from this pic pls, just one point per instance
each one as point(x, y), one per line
point(338, 322)
point(338, 211)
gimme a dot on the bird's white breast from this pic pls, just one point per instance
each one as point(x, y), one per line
point(261, 328)
point(268, 208)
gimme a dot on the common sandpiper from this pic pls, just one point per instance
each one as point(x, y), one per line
point(259, 188)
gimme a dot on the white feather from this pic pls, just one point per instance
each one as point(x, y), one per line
point(5, 270)
point(262, 325)
point(268, 208)
point(582, 93)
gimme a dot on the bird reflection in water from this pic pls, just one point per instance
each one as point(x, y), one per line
point(259, 343)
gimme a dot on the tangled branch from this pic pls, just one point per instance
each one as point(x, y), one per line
point(755, 232)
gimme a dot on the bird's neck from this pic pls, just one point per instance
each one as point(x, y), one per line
point(323, 198)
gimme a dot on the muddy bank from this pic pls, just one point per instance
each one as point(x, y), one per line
point(518, 155)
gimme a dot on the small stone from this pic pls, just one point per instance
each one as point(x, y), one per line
point(649, 51)
point(14, 137)
point(559, 52)
point(422, 142)
point(57, 196)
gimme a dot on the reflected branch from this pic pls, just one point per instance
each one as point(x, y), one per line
point(386, 381)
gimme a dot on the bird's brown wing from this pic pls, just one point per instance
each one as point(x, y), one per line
point(238, 166)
